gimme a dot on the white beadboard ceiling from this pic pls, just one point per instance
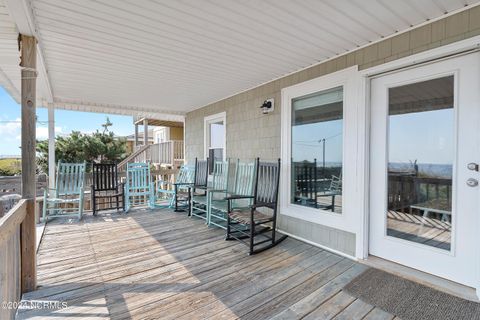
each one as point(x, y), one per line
point(168, 57)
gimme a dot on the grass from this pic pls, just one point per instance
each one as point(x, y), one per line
point(10, 167)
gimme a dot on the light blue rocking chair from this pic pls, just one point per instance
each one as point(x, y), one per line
point(175, 192)
point(243, 185)
point(139, 189)
point(66, 199)
point(199, 201)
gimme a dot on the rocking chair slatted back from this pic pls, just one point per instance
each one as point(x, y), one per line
point(185, 175)
point(201, 173)
point(70, 178)
point(244, 178)
point(305, 177)
point(266, 188)
point(336, 183)
point(138, 177)
point(105, 176)
point(220, 175)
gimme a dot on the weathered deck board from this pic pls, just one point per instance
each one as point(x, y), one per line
point(160, 264)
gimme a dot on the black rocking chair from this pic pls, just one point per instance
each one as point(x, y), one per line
point(198, 191)
point(107, 193)
point(260, 220)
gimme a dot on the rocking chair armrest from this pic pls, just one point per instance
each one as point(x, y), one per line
point(237, 196)
point(216, 190)
point(183, 184)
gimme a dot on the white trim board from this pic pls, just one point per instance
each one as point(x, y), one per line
point(315, 244)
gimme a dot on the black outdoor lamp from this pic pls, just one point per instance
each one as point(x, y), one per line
point(267, 106)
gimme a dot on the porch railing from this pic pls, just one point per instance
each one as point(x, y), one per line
point(13, 185)
point(407, 190)
point(10, 258)
point(168, 153)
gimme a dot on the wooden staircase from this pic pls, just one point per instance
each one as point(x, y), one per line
point(169, 153)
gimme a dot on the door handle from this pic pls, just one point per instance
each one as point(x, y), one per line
point(472, 166)
point(472, 182)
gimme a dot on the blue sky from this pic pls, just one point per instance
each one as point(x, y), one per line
point(65, 122)
point(427, 137)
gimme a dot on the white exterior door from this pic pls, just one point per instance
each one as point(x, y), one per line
point(424, 210)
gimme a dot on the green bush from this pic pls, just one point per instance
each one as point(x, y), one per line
point(78, 147)
point(10, 167)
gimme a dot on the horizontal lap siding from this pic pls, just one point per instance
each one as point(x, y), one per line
point(251, 134)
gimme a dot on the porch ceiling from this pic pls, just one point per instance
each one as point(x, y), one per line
point(162, 58)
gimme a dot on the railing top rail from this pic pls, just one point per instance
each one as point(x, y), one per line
point(132, 156)
point(12, 219)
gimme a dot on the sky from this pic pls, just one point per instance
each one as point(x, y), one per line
point(65, 122)
point(427, 137)
point(307, 141)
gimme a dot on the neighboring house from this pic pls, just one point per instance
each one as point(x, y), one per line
point(130, 139)
point(163, 134)
point(165, 142)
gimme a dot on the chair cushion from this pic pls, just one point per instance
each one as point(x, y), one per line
point(243, 216)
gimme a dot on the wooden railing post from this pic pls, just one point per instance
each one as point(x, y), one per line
point(27, 230)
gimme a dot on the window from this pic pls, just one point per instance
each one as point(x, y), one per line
point(317, 150)
point(161, 135)
point(215, 138)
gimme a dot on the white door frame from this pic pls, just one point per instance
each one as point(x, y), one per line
point(436, 54)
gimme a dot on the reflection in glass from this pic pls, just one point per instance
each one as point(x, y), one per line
point(421, 147)
point(216, 143)
point(317, 145)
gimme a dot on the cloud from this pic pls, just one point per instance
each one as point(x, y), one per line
point(42, 132)
point(11, 131)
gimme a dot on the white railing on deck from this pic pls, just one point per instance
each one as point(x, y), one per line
point(167, 153)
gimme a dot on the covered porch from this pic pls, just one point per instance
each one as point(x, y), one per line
point(238, 72)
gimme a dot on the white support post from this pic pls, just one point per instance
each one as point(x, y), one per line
point(135, 144)
point(145, 132)
point(51, 145)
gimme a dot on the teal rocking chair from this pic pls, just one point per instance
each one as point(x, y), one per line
point(176, 192)
point(243, 185)
point(66, 199)
point(198, 191)
point(139, 188)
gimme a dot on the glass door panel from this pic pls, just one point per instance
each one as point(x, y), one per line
point(421, 136)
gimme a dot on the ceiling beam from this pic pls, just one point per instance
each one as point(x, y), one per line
point(133, 111)
point(22, 14)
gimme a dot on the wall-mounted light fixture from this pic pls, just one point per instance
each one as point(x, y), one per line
point(267, 106)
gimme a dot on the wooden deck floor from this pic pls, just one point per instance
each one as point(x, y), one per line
point(429, 231)
point(164, 265)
